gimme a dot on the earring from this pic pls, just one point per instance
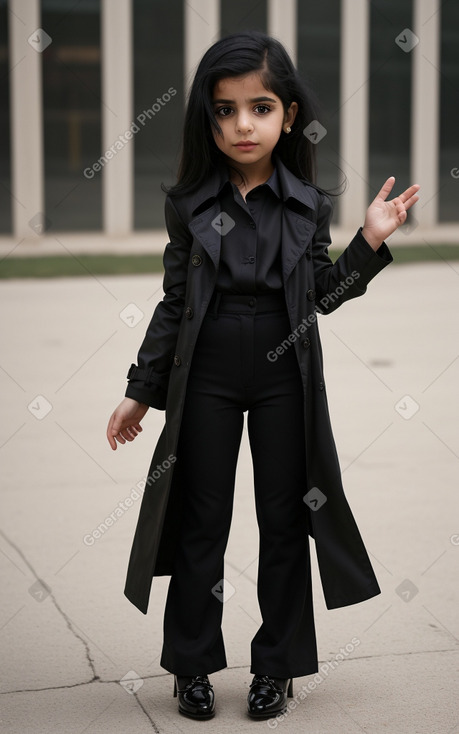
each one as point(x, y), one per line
point(288, 130)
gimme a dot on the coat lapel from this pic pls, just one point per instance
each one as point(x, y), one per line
point(297, 233)
point(205, 228)
point(297, 230)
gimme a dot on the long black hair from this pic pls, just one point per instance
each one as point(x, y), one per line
point(236, 55)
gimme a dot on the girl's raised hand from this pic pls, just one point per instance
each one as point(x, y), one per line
point(383, 217)
point(124, 424)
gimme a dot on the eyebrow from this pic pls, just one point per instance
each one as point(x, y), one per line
point(255, 99)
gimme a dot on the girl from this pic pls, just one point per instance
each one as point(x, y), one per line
point(246, 271)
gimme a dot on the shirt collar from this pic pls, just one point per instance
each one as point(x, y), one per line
point(272, 182)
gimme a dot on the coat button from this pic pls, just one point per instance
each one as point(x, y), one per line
point(308, 253)
point(189, 312)
point(321, 385)
point(177, 360)
point(252, 302)
point(196, 260)
point(306, 343)
point(311, 295)
point(253, 225)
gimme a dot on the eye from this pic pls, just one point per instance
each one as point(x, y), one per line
point(223, 111)
point(262, 109)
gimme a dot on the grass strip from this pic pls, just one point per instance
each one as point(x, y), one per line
point(59, 266)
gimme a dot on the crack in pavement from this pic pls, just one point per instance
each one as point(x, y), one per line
point(95, 678)
point(55, 688)
point(64, 616)
point(154, 726)
point(354, 658)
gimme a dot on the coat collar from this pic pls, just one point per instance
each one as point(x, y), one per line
point(297, 229)
point(291, 187)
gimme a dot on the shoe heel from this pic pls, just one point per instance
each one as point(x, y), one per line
point(290, 689)
point(175, 687)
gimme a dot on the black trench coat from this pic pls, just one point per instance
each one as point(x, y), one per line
point(312, 283)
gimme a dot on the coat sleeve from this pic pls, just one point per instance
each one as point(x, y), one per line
point(349, 276)
point(149, 379)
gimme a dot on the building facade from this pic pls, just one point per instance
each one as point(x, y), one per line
point(92, 95)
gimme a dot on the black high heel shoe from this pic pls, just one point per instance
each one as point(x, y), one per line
point(196, 697)
point(268, 696)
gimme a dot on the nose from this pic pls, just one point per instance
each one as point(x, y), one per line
point(243, 122)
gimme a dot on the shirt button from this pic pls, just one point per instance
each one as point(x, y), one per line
point(196, 260)
point(251, 259)
point(177, 360)
point(252, 302)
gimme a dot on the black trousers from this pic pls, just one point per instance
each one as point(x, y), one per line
point(231, 374)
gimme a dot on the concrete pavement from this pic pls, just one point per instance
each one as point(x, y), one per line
point(78, 657)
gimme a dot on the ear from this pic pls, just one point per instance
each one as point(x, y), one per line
point(290, 115)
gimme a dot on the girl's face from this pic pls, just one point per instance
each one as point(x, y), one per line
point(251, 118)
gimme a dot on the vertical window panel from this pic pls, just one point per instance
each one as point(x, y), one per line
point(158, 104)
point(5, 164)
point(243, 15)
point(389, 95)
point(72, 114)
point(319, 44)
point(449, 95)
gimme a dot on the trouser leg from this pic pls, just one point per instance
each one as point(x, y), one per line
point(206, 457)
point(285, 644)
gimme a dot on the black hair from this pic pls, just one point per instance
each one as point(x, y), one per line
point(237, 55)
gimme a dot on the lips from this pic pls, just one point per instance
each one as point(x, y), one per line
point(246, 145)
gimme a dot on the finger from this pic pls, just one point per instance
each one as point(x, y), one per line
point(386, 189)
point(412, 200)
point(403, 206)
point(111, 441)
point(110, 435)
point(130, 433)
point(401, 214)
point(409, 193)
point(115, 425)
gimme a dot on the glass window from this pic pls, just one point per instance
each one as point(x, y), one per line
point(159, 97)
point(319, 44)
point(449, 143)
point(243, 15)
point(72, 113)
point(5, 172)
point(389, 96)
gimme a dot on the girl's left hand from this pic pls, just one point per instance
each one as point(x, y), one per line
point(383, 217)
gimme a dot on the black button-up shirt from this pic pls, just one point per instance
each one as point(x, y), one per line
point(250, 255)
